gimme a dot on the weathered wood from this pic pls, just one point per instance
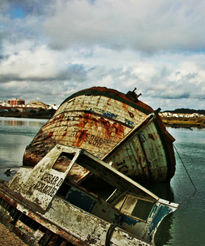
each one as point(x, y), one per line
point(97, 120)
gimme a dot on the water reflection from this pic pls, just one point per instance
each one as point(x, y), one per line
point(11, 123)
point(164, 232)
point(15, 135)
point(21, 122)
point(7, 174)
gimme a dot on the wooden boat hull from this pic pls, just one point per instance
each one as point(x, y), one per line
point(45, 208)
point(98, 120)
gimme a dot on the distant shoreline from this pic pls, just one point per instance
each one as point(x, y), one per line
point(31, 115)
point(184, 122)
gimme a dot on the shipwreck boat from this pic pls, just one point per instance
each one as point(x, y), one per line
point(113, 127)
point(46, 205)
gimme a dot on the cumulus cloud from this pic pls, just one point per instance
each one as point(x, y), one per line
point(52, 75)
point(51, 49)
point(38, 64)
point(21, 20)
point(138, 25)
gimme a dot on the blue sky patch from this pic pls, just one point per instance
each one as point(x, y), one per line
point(16, 12)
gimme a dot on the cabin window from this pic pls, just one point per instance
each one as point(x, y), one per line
point(142, 209)
point(63, 190)
point(62, 162)
point(98, 186)
point(80, 199)
point(133, 206)
point(76, 196)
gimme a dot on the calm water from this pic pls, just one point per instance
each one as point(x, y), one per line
point(186, 226)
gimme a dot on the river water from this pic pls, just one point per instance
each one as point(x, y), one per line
point(183, 228)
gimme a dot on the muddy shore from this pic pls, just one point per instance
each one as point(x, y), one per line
point(198, 122)
point(8, 238)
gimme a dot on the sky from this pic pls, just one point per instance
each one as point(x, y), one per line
point(51, 49)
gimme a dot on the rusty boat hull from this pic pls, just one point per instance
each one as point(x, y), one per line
point(114, 127)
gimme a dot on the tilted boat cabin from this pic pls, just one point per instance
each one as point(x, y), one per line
point(48, 205)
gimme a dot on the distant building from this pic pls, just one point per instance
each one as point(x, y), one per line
point(16, 102)
point(38, 104)
point(53, 106)
point(3, 103)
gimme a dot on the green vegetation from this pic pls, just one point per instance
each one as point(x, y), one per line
point(184, 122)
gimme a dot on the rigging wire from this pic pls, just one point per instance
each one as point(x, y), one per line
point(185, 168)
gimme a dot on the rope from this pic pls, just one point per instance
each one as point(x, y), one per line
point(185, 168)
point(109, 234)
